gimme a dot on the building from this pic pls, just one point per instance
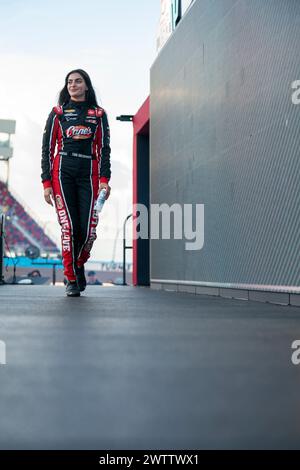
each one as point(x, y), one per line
point(224, 134)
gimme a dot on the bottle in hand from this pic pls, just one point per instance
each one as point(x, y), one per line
point(101, 200)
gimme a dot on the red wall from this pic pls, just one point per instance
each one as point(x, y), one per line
point(140, 126)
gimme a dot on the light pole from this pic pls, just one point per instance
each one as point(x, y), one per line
point(125, 118)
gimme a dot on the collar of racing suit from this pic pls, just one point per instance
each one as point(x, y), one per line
point(78, 104)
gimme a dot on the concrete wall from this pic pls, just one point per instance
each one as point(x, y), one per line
point(225, 133)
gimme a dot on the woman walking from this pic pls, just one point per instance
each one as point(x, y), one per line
point(75, 167)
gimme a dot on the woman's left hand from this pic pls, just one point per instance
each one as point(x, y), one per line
point(107, 187)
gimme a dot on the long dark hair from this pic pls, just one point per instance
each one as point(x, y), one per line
point(90, 94)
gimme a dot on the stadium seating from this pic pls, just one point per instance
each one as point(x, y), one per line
point(15, 214)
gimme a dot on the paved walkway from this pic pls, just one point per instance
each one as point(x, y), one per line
point(134, 368)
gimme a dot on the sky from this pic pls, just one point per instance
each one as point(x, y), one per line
point(115, 42)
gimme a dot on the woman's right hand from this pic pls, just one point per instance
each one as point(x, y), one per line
point(48, 196)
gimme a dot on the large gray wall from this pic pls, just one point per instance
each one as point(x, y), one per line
point(225, 133)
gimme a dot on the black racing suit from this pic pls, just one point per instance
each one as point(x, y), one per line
point(75, 159)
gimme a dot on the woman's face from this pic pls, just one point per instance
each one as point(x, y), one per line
point(76, 87)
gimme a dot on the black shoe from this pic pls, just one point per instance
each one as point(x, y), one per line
point(81, 280)
point(72, 289)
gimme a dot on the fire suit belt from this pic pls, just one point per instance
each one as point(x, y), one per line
point(80, 155)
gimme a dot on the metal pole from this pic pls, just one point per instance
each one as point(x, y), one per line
point(7, 174)
point(7, 166)
point(53, 274)
point(125, 248)
point(124, 260)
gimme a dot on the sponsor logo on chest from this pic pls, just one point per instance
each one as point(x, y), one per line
point(79, 132)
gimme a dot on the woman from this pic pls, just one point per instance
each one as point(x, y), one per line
point(75, 167)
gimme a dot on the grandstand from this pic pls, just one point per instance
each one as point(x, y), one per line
point(21, 229)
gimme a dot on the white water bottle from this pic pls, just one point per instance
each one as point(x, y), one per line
point(101, 200)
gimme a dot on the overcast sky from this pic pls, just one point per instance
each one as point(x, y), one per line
point(115, 42)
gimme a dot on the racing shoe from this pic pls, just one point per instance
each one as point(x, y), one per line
point(72, 289)
point(81, 280)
